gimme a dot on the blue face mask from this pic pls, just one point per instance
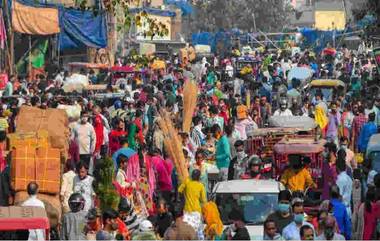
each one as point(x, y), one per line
point(283, 207)
point(298, 218)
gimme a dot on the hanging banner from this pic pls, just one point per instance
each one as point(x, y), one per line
point(33, 20)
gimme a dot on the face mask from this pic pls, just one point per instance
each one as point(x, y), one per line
point(240, 154)
point(84, 119)
point(283, 207)
point(233, 227)
point(344, 147)
point(329, 233)
point(325, 154)
point(298, 218)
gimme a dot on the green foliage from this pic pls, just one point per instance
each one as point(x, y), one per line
point(120, 9)
point(368, 7)
point(103, 186)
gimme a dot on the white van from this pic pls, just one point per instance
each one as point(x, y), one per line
point(256, 199)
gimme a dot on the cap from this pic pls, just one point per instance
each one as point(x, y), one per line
point(145, 226)
point(296, 200)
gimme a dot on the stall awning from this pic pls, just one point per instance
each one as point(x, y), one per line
point(34, 20)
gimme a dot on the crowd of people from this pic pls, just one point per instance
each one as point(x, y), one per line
point(155, 205)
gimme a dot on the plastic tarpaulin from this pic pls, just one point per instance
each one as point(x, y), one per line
point(82, 28)
point(317, 39)
point(34, 20)
point(154, 11)
point(184, 5)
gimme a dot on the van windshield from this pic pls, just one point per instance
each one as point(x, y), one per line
point(254, 206)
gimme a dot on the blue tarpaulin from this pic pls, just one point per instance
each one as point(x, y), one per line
point(82, 28)
point(154, 11)
point(317, 39)
point(219, 40)
point(184, 5)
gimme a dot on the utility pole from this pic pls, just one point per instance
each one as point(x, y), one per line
point(254, 22)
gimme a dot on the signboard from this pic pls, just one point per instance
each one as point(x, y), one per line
point(330, 20)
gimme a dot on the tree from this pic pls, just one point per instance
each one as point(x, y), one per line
point(212, 15)
point(120, 10)
point(368, 7)
point(103, 185)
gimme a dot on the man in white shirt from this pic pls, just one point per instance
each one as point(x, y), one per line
point(283, 111)
point(84, 135)
point(33, 201)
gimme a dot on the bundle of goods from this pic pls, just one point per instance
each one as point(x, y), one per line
point(42, 165)
point(28, 139)
point(190, 95)
point(54, 121)
point(173, 145)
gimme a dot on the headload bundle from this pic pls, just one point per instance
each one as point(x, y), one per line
point(173, 145)
point(190, 95)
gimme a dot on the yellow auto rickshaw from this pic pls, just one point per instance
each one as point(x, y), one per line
point(329, 88)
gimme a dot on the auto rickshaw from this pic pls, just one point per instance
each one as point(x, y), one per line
point(263, 139)
point(300, 146)
point(328, 87)
point(123, 72)
point(246, 61)
point(16, 221)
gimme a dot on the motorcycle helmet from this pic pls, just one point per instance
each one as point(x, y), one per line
point(117, 105)
point(76, 202)
point(125, 205)
point(254, 161)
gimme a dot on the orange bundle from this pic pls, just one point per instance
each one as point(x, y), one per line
point(42, 165)
point(190, 95)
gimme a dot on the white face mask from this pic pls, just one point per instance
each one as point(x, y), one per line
point(240, 154)
point(233, 227)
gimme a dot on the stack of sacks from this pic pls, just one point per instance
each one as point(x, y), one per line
point(54, 121)
point(37, 148)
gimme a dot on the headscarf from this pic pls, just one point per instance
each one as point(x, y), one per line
point(214, 225)
point(320, 117)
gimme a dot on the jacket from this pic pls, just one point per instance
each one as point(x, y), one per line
point(342, 218)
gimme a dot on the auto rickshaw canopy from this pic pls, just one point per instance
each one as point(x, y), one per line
point(334, 83)
point(23, 218)
point(299, 146)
